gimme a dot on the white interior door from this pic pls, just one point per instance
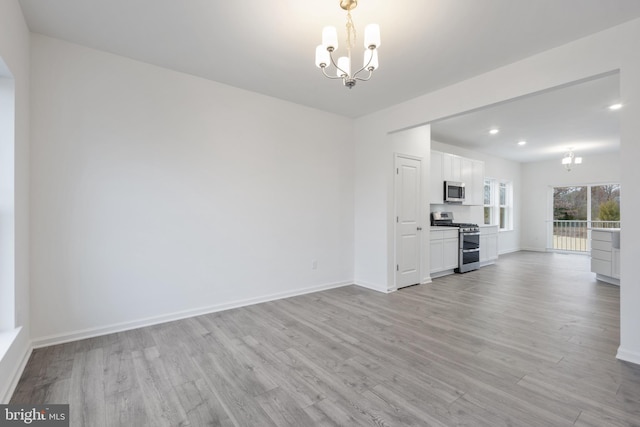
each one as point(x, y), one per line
point(408, 226)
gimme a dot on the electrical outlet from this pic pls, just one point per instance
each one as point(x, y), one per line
point(314, 264)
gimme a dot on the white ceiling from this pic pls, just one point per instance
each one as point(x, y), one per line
point(268, 46)
point(551, 122)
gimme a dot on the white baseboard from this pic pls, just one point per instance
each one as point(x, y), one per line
point(373, 287)
point(531, 250)
point(510, 251)
point(149, 321)
point(607, 279)
point(442, 273)
point(628, 356)
point(6, 397)
point(16, 350)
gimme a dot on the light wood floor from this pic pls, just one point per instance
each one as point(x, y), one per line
point(530, 341)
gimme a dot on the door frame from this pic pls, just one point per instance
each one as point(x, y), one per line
point(396, 156)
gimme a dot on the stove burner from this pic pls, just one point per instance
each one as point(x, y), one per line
point(462, 224)
point(445, 219)
point(461, 227)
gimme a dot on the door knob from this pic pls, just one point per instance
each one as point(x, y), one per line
point(419, 228)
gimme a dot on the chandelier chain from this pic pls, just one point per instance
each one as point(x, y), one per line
point(351, 33)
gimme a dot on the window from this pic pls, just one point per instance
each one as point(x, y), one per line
point(488, 202)
point(605, 204)
point(505, 206)
point(596, 203)
point(498, 203)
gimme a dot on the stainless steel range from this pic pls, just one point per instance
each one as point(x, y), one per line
point(468, 240)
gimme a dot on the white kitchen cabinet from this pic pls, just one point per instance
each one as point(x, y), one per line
point(473, 177)
point(436, 255)
point(451, 167)
point(444, 251)
point(478, 183)
point(436, 178)
point(466, 174)
point(451, 252)
point(605, 254)
point(615, 263)
point(488, 244)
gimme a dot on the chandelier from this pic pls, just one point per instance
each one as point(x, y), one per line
point(325, 51)
point(570, 159)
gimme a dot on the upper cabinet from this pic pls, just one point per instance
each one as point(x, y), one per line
point(473, 177)
point(436, 178)
point(449, 167)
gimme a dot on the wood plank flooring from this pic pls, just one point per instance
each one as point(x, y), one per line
point(530, 341)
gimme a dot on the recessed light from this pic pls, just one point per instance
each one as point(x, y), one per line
point(615, 107)
point(494, 131)
point(523, 142)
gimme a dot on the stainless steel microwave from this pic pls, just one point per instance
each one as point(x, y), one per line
point(453, 192)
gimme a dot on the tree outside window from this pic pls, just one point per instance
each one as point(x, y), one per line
point(574, 203)
point(605, 202)
point(570, 203)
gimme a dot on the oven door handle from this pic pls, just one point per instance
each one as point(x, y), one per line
point(470, 250)
point(466, 233)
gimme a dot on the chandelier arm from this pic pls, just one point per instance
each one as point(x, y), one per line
point(360, 78)
point(360, 70)
point(328, 76)
point(364, 79)
point(365, 67)
point(338, 68)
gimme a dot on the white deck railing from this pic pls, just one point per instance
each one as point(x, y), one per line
point(573, 235)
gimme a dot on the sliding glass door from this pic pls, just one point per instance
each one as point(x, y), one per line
point(578, 209)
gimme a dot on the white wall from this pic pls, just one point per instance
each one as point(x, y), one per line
point(630, 207)
point(604, 52)
point(14, 51)
point(157, 194)
point(373, 233)
point(414, 142)
point(498, 168)
point(539, 177)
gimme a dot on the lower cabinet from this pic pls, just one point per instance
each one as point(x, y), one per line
point(615, 263)
point(601, 252)
point(605, 255)
point(488, 244)
point(444, 250)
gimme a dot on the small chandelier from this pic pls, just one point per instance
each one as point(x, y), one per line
point(570, 159)
point(324, 52)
